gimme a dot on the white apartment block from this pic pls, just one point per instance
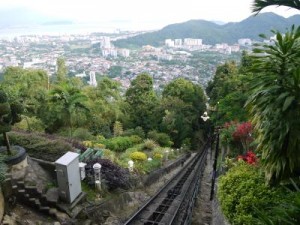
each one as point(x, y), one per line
point(169, 42)
point(105, 42)
point(109, 52)
point(124, 52)
point(192, 42)
point(222, 46)
point(178, 42)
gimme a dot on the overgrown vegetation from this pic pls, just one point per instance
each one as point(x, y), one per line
point(243, 193)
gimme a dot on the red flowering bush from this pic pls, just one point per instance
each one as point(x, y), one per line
point(243, 134)
point(249, 158)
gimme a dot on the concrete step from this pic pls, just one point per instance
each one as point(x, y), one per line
point(21, 184)
point(53, 211)
point(44, 209)
point(21, 191)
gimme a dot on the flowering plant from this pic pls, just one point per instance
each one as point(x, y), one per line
point(243, 133)
point(249, 158)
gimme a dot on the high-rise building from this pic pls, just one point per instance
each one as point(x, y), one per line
point(105, 42)
point(93, 81)
point(178, 42)
point(169, 42)
point(192, 42)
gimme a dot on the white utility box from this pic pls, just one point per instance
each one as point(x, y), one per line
point(68, 176)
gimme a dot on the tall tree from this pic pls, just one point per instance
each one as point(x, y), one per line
point(142, 102)
point(105, 106)
point(61, 72)
point(183, 103)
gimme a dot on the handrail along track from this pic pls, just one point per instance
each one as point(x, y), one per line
point(173, 203)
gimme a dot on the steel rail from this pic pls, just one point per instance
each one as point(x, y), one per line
point(169, 199)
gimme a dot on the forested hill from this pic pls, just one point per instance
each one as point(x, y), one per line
point(212, 33)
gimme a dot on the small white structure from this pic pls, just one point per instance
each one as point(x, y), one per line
point(205, 116)
point(97, 175)
point(167, 154)
point(82, 170)
point(68, 176)
point(130, 165)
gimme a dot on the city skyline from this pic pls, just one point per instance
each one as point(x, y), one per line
point(132, 14)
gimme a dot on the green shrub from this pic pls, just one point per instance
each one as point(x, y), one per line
point(40, 147)
point(119, 144)
point(242, 191)
point(83, 134)
point(162, 139)
point(136, 139)
point(138, 156)
point(158, 153)
point(151, 165)
point(149, 144)
point(108, 154)
point(30, 124)
point(3, 168)
point(136, 131)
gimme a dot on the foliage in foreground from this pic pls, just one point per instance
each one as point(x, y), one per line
point(274, 104)
point(242, 193)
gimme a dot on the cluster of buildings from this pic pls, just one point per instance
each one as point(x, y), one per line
point(90, 56)
point(192, 44)
point(108, 50)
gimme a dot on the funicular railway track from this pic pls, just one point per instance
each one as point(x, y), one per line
point(174, 202)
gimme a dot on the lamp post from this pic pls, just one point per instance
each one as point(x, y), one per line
point(130, 165)
point(214, 175)
point(167, 153)
point(97, 175)
point(205, 117)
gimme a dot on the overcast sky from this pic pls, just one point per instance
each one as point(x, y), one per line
point(158, 13)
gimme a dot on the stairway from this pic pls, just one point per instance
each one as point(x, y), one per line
point(30, 196)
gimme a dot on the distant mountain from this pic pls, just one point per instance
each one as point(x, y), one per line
point(212, 33)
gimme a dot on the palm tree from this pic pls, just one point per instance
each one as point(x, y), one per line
point(258, 5)
point(71, 101)
point(275, 104)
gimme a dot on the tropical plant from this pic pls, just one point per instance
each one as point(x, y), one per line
point(274, 103)
point(118, 128)
point(258, 5)
point(69, 102)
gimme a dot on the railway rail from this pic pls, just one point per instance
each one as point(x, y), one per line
point(173, 203)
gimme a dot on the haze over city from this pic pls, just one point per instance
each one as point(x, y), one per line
point(134, 15)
